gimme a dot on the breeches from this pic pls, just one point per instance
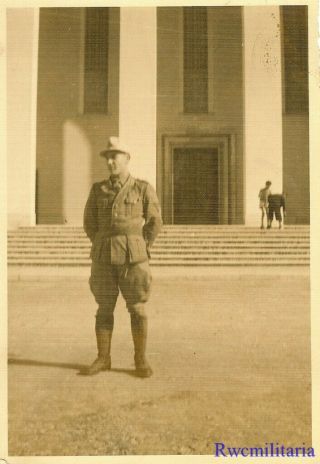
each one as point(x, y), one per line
point(107, 280)
point(275, 211)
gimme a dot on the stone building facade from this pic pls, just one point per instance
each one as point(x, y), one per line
point(213, 101)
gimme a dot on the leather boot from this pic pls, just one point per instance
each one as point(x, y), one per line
point(103, 361)
point(139, 329)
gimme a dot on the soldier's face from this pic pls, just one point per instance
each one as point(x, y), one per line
point(118, 163)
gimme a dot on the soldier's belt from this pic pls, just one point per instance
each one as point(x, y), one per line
point(120, 230)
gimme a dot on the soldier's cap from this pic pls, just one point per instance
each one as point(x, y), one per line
point(115, 145)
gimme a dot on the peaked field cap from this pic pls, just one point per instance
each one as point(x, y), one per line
point(115, 145)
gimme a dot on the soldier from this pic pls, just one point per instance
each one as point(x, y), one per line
point(122, 219)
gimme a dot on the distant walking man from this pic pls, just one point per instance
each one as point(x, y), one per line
point(276, 202)
point(122, 219)
point(263, 204)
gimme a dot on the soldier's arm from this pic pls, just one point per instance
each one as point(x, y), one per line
point(90, 217)
point(152, 215)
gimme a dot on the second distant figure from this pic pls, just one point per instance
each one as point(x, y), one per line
point(275, 203)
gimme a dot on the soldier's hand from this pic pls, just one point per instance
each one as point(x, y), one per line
point(148, 249)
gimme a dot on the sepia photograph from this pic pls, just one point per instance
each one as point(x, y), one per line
point(159, 202)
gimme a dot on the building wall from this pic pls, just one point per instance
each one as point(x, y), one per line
point(263, 105)
point(295, 75)
point(296, 167)
point(68, 141)
point(225, 82)
point(22, 30)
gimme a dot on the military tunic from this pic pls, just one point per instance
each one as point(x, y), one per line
point(122, 228)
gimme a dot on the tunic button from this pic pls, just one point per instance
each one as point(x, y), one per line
point(115, 214)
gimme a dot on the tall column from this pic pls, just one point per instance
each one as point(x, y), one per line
point(22, 67)
point(137, 89)
point(263, 104)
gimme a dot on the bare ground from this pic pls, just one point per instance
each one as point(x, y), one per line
point(231, 360)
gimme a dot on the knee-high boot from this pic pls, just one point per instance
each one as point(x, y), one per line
point(139, 329)
point(103, 361)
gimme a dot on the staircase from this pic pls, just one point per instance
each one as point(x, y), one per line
point(46, 246)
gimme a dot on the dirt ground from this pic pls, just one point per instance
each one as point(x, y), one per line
point(231, 360)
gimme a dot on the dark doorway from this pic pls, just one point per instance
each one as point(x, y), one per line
point(195, 186)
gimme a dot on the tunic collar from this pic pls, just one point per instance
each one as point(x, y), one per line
point(122, 178)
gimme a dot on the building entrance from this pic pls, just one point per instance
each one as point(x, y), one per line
point(195, 185)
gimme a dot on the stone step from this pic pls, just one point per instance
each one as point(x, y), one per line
point(172, 254)
point(181, 237)
point(176, 262)
point(260, 236)
point(169, 229)
point(165, 239)
point(187, 245)
point(213, 256)
point(68, 246)
point(158, 247)
point(165, 227)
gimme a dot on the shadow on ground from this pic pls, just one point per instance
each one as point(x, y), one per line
point(79, 367)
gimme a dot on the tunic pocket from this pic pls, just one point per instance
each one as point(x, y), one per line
point(137, 249)
point(133, 204)
point(100, 249)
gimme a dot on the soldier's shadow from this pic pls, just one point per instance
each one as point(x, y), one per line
point(78, 367)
